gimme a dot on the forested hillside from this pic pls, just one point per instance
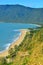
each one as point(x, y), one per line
point(29, 52)
point(21, 14)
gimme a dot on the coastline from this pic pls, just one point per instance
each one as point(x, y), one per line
point(17, 42)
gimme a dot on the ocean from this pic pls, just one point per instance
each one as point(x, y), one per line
point(10, 32)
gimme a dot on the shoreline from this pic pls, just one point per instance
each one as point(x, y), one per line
point(17, 42)
point(8, 45)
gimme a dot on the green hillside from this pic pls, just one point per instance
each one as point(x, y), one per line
point(29, 52)
point(21, 14)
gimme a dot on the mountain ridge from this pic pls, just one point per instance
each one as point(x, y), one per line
point(21, 14)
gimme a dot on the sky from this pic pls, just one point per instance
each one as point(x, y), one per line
point(28, 3)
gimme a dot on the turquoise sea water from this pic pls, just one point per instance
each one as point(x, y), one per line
point(10, 32)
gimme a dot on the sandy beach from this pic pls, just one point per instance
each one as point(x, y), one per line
point(17, 42)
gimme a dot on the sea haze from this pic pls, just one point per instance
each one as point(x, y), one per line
point(10, 32)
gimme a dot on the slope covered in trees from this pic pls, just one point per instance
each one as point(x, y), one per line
point(30, 51)
point(21, 14)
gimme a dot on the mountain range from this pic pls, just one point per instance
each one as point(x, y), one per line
point(21, 14)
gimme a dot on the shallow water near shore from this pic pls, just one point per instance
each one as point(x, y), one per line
point(10, 32)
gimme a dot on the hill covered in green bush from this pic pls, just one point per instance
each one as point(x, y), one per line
point(29, 52)
point(21, 14)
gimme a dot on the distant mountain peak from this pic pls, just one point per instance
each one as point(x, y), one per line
point(21, 14)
